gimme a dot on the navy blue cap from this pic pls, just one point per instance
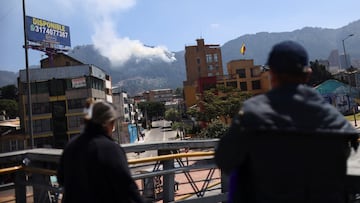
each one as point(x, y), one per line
point(288, 57)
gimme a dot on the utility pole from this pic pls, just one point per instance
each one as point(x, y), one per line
point(29, 104)
point(349, 79)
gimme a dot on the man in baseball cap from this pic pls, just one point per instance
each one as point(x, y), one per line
point(288, 145)
point(288, 57)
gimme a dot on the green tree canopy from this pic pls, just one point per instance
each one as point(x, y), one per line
point(152, 109)
point(172, 115)
point(9, 92)
point(215, 129)
point(221, 102)
point(178, 91)
point(10, 106)
point(319, 73)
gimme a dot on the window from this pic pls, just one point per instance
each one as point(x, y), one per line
point(231, 84)
point(40, 108)
point(208, 58)
point(42, 125)
point(97, 84)
point(210, 74)
point(44, 142)
point(208, 86)
point(210, 68)
point(255, 72)
point(256, 85)
point(243, 86)
point(75, 121)
point(241, 73)
point(13, 145)
point(57, 87)
point(76, 103)
point(39, 87)
point(215, 57)
point(198, 60)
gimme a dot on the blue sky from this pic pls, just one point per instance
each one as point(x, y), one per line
point(121, 28)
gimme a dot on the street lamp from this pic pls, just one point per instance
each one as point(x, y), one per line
point(346, 61)
point(347, 66)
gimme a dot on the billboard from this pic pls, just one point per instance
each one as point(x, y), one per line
point(43, 31)
point(78, 82)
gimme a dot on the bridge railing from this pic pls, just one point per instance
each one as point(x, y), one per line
point(181, 171)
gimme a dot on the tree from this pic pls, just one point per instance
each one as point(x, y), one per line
point(319, 73)
point(152, 109)
point(178, 91)
point(221, 102)
point(216, 129)
point(172, 115)
point(10, 107)
point(9, 92)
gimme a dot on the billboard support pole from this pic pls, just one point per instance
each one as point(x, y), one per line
point(29, 106)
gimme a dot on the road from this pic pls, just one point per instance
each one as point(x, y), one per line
point(160, 131)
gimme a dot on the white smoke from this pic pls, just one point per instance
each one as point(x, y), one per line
point(110, 43)
point(120, 49)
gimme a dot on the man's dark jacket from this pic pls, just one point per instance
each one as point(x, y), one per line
point(94, 169)
point(288, 145)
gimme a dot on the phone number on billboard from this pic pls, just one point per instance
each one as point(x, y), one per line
point(49, 31)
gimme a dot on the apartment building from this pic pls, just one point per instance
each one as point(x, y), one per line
point(124, 105)
point(58, 95)
point(204, 71)
point(244, 75)
point(202, 61)
point(159, 95)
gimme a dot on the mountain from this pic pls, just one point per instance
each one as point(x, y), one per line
point(136, 75)
point(8, 78)
point(319, 43)
point(139, 75)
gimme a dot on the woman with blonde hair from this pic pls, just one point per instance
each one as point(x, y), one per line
point(93, 168)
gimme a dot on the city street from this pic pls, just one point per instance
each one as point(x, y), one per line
point(160, 131)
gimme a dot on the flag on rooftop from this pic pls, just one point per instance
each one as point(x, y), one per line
point(242, 49)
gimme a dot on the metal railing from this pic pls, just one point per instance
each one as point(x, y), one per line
point(182, 171)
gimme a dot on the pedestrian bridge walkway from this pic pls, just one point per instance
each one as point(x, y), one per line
point(182, 171)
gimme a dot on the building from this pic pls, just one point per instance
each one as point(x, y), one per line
point(11, 137)
point(345, 61)
point(201, 61)
point(159, 95)
point(125, 107)
point(204, 71)
point(244, 75)
point(123, 104)
point(344, 97)
point(58, 96)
